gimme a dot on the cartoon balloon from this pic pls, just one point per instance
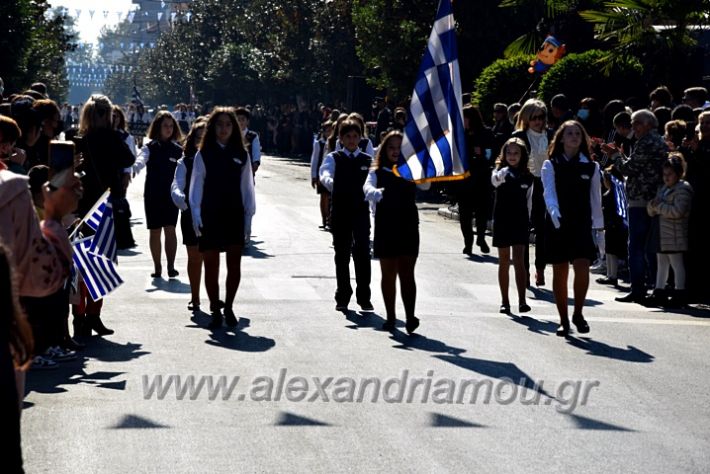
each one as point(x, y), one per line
point(550, 52)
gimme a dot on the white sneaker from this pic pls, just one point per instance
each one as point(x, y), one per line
point(599, 267)
point(42, 363)
point(56, 353)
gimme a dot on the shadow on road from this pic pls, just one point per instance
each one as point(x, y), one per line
point(170, 286)
point(238, 340)
point(495, 369)
point(600, 349)
point(544, 328)
point(542, 294)
point(253, 251)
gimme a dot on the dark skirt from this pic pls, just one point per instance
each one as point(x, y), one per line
point(221, 231)
point(160, 212)
point(568, 243)
point(507, 232)
point(188, 231)
point(391, 242)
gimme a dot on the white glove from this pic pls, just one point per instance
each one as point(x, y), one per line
point(197, 224)
point(555, 216)
point(377, 194)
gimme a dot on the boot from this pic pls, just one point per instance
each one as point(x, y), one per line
point(81, 329)
point(93, 321)
point(677, 300)
point(656, 299)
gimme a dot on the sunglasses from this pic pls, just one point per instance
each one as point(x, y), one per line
point(537, 117)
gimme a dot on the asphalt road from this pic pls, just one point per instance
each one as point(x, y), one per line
point(640, 378)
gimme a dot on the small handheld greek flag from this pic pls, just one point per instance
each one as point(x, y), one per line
point(93, 217)
point(433, 148)
point(99, 273)
point(103, 243)
point(622, 202)
point(94, 256)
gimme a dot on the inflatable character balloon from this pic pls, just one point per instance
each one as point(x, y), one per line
point(550, 52)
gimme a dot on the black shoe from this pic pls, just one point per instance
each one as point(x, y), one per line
point(411, 325)
point(608, 281)
point(524, 308)
point(95, 324)
point(192, 306)
point(172, 273)
point(389, 325)
point(216, 322)
point(677, 300)
point(629, 298)
point(467, 250)
point(341, 307)
point(229, 318)
point(483, 246)
point(656, 299)
point(580, 323)
point(80, 327)
point(367, 306)
point(539, 278)
point(563, 329)
point(72, 344)
point(504, 308)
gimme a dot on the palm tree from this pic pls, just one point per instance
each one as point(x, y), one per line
point(659, 32)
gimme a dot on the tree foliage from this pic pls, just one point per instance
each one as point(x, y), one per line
point(33, 42)
point(505, 80)
point(579, 76)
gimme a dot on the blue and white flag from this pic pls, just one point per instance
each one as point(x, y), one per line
point(99, 273)
point(622, 202)
point(433, 148)
point(93, 217)
point(103, 243)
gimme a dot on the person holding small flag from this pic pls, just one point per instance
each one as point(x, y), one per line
point(105, 157)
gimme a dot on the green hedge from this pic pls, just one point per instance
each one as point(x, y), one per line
point(505, 80)
point(581, 75)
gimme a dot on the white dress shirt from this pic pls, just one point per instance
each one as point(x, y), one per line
point(595, 192)
point(315, 156)
point(197, 183)
point(255, 151)
point(498, 178)
point(327, 169)
point(177, 189)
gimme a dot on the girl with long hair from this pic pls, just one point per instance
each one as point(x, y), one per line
point(572, 192)
point(222, 204)
point(511, 217)
point(181, 197)
point(160, 157)
point(396, 241)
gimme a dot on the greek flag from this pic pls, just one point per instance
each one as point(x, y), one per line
point(622, 202)
point(99, 273)
point(433, 148)
point(103, 243)
point(93, 217)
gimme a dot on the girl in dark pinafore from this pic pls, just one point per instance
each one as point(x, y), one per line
point(222, 204)
point(181, 196)
point(396, 241)
point(511, 217)
point(572, 192)
point(160, 157)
